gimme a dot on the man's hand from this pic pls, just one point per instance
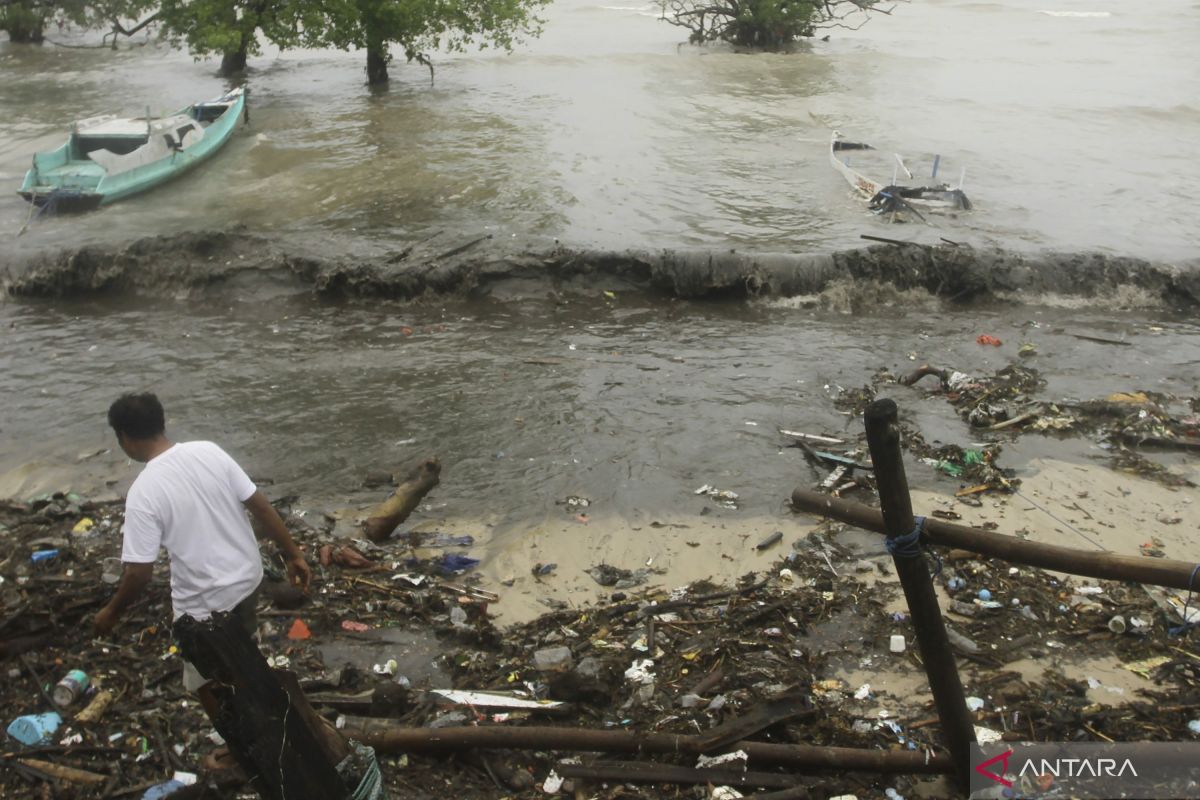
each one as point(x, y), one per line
point(104, 621)
point(299, 572)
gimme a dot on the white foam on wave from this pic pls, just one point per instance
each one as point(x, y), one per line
point(1079, 14)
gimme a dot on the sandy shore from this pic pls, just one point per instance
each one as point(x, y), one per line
point(1083, 506)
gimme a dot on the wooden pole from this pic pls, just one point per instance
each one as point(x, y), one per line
point(1089, 563)
point(883, 439)
point(386, 737)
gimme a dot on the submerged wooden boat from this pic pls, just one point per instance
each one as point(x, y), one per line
point(894, 197)
point(106, 158)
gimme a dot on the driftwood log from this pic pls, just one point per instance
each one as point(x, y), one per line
point(262, 714)
point(62, 773)
point(404, 499)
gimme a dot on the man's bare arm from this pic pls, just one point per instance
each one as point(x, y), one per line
point(272, 527)
point(134, 580)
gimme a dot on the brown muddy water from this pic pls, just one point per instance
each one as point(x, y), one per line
point(1076, 130)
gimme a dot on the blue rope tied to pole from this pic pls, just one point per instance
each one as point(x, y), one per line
point(1186, 626)
point(909, 545)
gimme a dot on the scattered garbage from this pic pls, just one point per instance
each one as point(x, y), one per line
point(553, 659)
point(897, 643)
point(34, 729)
point(773, 539)
point(680, 660)
point(552, 784)
point(70, 688)
point(1117, 624)
point(724, 497)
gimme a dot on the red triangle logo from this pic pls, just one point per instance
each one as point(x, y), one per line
point(997, 777)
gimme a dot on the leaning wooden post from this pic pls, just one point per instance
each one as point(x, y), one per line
point(883, 438)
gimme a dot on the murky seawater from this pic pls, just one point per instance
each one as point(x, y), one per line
point(1076, 133)
point(1075, 123)
point(630, 401)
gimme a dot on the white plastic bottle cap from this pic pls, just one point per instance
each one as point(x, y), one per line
point(897, 644)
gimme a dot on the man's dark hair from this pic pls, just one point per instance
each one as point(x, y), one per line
point(138, 416)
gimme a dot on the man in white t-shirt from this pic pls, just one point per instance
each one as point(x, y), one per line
point(191, 499)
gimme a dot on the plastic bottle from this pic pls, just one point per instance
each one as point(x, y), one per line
point(70, 688)
point(33, 729)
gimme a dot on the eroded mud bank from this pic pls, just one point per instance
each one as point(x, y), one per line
point(473, 265)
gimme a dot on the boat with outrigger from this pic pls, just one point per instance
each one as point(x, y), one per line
point(895, 198)
point(108, 158)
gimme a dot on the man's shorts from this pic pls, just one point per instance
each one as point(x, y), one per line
point(245, 612)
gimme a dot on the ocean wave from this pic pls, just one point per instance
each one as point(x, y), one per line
point(252, 265)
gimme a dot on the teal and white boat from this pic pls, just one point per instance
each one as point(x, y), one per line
point(106, 158)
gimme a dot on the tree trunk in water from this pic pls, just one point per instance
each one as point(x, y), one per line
point(234, 62)
point(377, 72)
point(23, 25)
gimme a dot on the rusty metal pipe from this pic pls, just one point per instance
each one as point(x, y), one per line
point(386, 737)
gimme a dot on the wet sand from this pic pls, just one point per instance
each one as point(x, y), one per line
point(1059, 503)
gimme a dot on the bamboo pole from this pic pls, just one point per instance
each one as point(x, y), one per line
point(386, 737)
point(883, 439)
point(1088, 563)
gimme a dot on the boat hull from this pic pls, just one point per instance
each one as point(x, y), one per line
point(64, 201)
point(62, 185)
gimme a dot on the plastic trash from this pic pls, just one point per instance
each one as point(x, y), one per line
point(70, 688)
point(961, 642)
point(165, 789)
point(984, 595)
point(1194, 726)
point(43, 555)
point(974, 703)
point(458, 617)
point(34, 729)
point(299, 630)
point(553, 659)
point(552, 783)
point(774, 538)
point(1117, 624)
point(955, 583)
point(986, 339)
point(355, 627)
point(389, 667)
point(456, 562)
point(705, 762)
point(111, 570)
point(84, 525)
point(963, 609)
point(897, 643)
point(641, 672)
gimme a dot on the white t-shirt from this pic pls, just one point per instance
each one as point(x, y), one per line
point(188, 500)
